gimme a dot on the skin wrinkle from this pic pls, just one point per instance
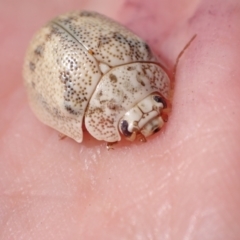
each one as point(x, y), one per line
point(192, 226)
point(7, 121)
point(137, 14)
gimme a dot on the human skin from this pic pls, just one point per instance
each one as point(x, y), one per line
point(184, 183)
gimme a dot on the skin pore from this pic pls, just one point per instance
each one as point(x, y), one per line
point(183, 183)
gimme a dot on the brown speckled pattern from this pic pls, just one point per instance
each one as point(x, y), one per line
point(60, 76)
point(61, 73)
point(114, 96)
point(110, 42)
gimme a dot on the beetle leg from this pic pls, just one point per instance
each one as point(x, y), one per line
point(133, 136)
point(61, 136)
point(141, 137)
point(164, 116)
point(110, 145)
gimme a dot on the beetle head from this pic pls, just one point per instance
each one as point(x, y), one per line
point(144, 119)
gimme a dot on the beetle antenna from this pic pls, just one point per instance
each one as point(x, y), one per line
point(180, 55)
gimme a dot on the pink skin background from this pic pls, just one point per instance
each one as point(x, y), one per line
point(184, 183)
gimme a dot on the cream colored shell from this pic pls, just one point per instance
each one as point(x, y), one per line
point(83, 68)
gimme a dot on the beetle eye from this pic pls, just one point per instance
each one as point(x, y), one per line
point(159, 99)
point(124, 128)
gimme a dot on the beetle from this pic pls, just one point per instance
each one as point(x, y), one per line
point(84, 69)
